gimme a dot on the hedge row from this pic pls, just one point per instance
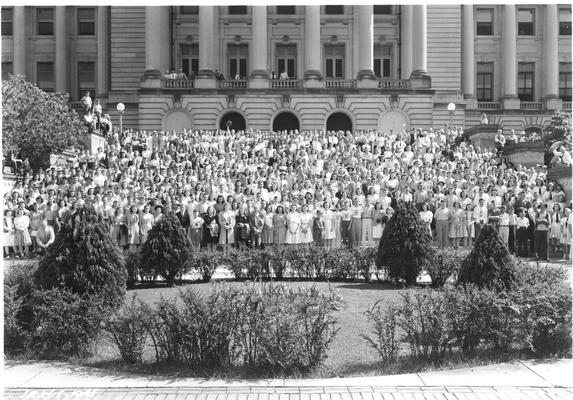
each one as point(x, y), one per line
point(535, 314)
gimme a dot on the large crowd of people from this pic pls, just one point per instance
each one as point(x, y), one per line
point(251, 189)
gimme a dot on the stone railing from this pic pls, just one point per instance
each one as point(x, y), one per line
point(566, 105)
point(286, 84)
point(489, 105)
point(177, 84)
point(531, 105)
point(393, 83)
point(339, 84)
point(233, 84)
point(527, 154)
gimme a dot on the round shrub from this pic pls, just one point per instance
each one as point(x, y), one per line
point(405, 247)
point(129, 330)
point(489, 264)
point(167, 249)
point(84, 260)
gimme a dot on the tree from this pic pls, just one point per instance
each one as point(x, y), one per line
point(489, 264)
point(167, 249)
point(36, 124)
point(559, 129)
point(405, 247)
point(84, 260)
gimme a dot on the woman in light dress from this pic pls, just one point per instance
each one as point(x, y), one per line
point(293, 222)
point(555, 229)
point(457, 227)
point(328, 234)
point(22, 237)
point(8, 237)
point(133, 231)
point(227, 220)
point(306, 220)
point(470, 225)
point(336, 226)
point(147, 220)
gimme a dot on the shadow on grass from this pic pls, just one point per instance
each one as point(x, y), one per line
point(372, 286)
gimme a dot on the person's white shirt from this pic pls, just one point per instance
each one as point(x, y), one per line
point(480, 214)
point(283, 75)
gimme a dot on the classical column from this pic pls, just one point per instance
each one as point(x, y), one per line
point(103, 51)
point(312, 45)
point(468, 59)
point(406, 41)
point(419, 41)
point(19, 26)
point(510, 52)
point(551, 51)
point(365, 46)
point(61, 64)
point(206, 41)
point(157, 46)
point(259, 44)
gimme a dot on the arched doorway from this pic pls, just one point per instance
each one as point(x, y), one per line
point(177, 121)
point(285, 121)
point(236, 120)
point(338, 121)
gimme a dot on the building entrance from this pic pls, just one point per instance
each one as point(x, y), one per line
point(233, 120)
point(286, 121)
point(339, 121)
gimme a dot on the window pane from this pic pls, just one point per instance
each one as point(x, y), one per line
point(288, 10)
point(86, 21)
point(86, 77)
point(484, 21)
point(329, 68)
point(6, 21)
point(186, 67)
point(237, 10)
point(386, 69)
point(291, 68)
point(565, 21)
point(334, 10)
point(45, 75)
point(6, 70)
point(382, 9)
point(45, 19)
point(191, 10)
point(281, 65)
point(525, 24)
point(243, 68)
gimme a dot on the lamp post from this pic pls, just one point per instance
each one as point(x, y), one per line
point(120, 109)
point(451, 110)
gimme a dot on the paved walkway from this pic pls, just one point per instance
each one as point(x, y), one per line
point(520, 380)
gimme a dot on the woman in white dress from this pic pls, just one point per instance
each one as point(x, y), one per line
point(268, 227)
point(133, 229)
point(377, 215)
point(555, 234)
point(8, 237)
point(227, 224)
point(306, 220)
point(328, 233)
point(470, 224)
point(293, 222)
point(336, 222)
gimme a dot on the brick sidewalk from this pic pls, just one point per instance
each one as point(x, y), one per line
point(298, 393)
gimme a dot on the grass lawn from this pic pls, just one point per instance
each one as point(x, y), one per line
point(349, 353)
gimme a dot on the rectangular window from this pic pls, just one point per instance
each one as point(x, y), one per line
point(382, 9)
point(189, 10)
point(484, 21)
point(7, 70)
point(86, 78)
point(484, 81)
point(525, 21)
point(45, 21)
point(286, 10)
point(334, 60)
point(7, 21)
point(383, 60)
point(86, 21)
point(45, 76)
point(286, 60)
point(334, 10)
point(565, 81)
point(237, 10)
point(238, 55)
point(525, 81)
point(190, 59)
point(565, 21)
